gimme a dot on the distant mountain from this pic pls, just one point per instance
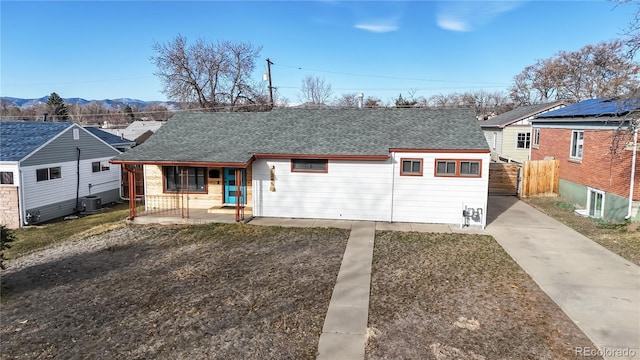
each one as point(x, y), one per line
point(107, 103)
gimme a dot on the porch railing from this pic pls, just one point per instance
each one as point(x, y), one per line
point(171, 204)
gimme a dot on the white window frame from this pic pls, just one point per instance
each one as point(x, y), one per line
point(598, 193)
point(576, 151)
point(526, 141)
point(536, 137)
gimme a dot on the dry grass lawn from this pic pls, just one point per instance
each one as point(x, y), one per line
point(614, 237)
point(211, 291)
point(459, 296)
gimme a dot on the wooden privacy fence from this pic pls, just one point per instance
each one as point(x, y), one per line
point(540, 177)
point(503, 178)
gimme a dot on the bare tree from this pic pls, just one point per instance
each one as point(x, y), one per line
point(315, 90)
point(213, 75)
point(347, 100)
point(373, 102)
point(601, 70)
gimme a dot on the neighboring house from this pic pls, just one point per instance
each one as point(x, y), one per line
point(119, 142)
point(400, 165)
point(48, 169)
point(509, 134)
point(592, 176)
point(138, 131)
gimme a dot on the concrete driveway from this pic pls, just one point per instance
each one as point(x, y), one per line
point(597, 289)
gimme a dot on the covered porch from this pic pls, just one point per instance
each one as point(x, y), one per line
point(182, 193)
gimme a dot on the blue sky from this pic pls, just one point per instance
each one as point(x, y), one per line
point(101, 49)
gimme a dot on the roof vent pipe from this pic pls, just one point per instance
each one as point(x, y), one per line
point(44, 118)
point(360, 101)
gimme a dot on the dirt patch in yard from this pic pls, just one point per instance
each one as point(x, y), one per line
point(459, 296)
point(213, 291)
point(615, 237)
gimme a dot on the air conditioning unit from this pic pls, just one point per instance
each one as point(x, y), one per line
point(92, 203)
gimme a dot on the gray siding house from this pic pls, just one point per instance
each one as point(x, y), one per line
point(52, 169)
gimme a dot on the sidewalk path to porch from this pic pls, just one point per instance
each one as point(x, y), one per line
point(344, 334)
point(597, 289)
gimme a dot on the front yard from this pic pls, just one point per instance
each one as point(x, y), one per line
point(614, 237)
point(458, 296)
point(211, 291)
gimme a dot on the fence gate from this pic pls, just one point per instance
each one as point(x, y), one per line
point(540, 177)
point(503, 178)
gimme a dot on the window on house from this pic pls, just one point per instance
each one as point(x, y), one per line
point(523, 140)
point(469, 168)
point(536, 137)
point(577, 139)
point(6, 177)
point(411, 167)
point(446, 167)
point(190, 179)
point(309, 165)
point(595, 203)
point(458, 168)
point(48, 173)
point(98, 166)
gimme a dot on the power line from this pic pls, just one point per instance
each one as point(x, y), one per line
point(388, 77)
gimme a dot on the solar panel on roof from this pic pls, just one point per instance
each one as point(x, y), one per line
point(594, 107)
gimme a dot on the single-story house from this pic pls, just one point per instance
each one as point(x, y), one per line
point(396, 165)
point(52, 169)
point(139, 131)
point(509, 134)
point(599, 169)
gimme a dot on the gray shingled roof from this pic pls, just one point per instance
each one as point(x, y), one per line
point(20, 138)
point(519, 113)
point(235, 137)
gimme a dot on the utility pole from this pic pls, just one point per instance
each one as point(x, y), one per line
point(269, 63)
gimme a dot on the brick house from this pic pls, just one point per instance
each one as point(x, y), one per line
point(595, 170)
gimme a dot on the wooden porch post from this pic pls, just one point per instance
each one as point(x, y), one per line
point(239, 194)
point(132, 191)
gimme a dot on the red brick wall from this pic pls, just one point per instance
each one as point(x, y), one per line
point(596, 170)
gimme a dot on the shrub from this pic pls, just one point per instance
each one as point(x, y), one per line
point(6, 236)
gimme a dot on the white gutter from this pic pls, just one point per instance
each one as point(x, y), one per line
point(21, 207)
point(633, 172)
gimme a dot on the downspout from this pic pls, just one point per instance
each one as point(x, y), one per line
point(633, 172)
point(77, 208)
point(393, 182)
point(21, 206)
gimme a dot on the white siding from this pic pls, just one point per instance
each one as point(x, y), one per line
point(371, 190)
point(431, 199)
point(39, 193)
point(494, 139)
point(11, 167)
point(353, 190)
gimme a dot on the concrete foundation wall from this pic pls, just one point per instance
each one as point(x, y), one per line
point(615, 207)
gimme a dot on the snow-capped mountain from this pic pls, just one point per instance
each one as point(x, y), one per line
point(106, 103)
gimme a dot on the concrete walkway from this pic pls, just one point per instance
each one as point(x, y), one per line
point(597, 289)
point(345, 326)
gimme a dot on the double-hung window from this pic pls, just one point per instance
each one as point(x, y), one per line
point(536, 137)
point(577, 140)
point(98, 166)
point(523, 140)
point(189, 179)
